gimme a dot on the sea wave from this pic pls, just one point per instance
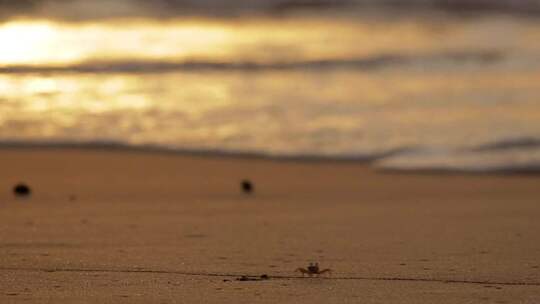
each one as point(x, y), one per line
point(509, 144)
point(217, 152)
point(514, 155)
point(364, 63)
point(514, 158)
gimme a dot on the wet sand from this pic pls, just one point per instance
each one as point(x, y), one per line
point(115, 226)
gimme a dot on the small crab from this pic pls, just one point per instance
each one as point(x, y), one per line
point(313, 269)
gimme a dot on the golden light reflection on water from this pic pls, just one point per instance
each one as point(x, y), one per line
point(317, 110)
point(257, 110)
point(55, 43)
point(26, 42)
point(48, 43)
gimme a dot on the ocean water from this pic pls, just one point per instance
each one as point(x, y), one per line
point(429, 90)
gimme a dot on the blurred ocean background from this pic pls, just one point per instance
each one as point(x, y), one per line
point(406, 85)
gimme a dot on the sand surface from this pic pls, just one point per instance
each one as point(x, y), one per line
point(133, 227)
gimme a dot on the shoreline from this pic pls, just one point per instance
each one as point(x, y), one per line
point(367, 160)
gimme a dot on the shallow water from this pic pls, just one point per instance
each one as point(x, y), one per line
point(434, 86)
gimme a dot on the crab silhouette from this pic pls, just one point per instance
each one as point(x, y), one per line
point(313, 269)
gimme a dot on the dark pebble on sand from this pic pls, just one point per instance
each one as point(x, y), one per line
point(247, 186)
point(265, 277)
point(22, 190)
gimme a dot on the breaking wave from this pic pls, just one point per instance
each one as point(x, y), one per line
point(507, 156)
point(517, 155)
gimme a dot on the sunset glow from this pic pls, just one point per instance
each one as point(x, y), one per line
point(280, 85)
point(27, 43)
point(42, 43)
point(47, 43)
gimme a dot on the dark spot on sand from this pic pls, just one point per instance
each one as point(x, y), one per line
point(484, 252)
point(402, 264)
point(12, 294)
point(272, 266)
point(425, 268)
point(222, 258)
point(243, 278)
point(22, 190)
point(247, 186)
point(498, 288)
point(535, 267)
point(57, 286)
point(226, 280)
point(72, 198)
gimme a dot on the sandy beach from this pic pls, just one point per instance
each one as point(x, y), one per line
point(137, 227)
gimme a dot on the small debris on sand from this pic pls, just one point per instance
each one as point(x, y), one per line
point(248, 278)
point(243, 278)
point(247, 186)
point(22, 190)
